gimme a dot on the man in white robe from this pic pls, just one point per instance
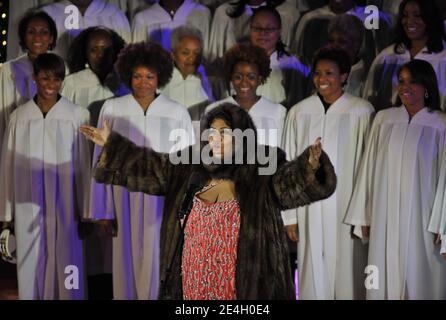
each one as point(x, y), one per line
point(156, 24)
point(268, 117)
point(402, 171)
point(382, 79)
point(45, 176)
point(330, 261)
point(227, 31)
point(98, 13)
point(138, 215)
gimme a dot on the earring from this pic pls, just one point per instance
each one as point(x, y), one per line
point(426, 95)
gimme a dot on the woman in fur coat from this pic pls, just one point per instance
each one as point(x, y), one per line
point(222, 236)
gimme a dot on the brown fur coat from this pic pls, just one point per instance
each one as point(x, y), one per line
point(263, 269)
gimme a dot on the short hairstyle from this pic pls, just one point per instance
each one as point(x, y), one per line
point(49, 62)
point(333, 54)
point(26, 19)
point(423, 73)
point(434, 26)
point(247, 52)
point(77, 55)
point(146, 54)
point(280, 46)
point(349, 25)
point(183, 32)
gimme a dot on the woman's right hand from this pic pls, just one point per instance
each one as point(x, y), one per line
point(98, 136)
point(291, 231)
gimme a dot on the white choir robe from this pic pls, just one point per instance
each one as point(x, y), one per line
point(401, 173)
point(45, 175)
point(138, 215)
point(227, 31)
point(268, 117)
point(382, 80)
point(356, 79)
point(330, 263)
point(99, 13)
point(156, 24)
point(289, 81)
point(83, 88)
point(16, 87)
point(194, 92)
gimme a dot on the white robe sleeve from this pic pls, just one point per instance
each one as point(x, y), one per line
point(82, 167)
point(359, 210)
point(289, 139)
point(101, 199)
point(7, 97)
point(437, 223)
point(139, 30)
point(7, 171)
point(222, 35)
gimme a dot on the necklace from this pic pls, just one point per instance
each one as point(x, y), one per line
point(210, 185)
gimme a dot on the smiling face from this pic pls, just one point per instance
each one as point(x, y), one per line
point(220, 138)
point(413, 24)
point(265, 31)
point(245, 80)
point(410, 93)
point(38, 37)
point(144, 82)
point(98, 45)
point(328, 80)
point(48, 85)
point(187, 55)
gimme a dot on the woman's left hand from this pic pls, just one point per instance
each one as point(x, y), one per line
point(315, 154)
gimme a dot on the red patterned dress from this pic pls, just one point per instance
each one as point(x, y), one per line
point(210, 250)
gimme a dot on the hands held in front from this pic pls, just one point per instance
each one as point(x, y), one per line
point(97, 135)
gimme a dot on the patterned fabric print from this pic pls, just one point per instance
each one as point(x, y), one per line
point(210, 250)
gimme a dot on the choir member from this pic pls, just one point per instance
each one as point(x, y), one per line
point(45, 175)
point(330, 261)
point(148, 119)
point(398, 183)
point(246, 67)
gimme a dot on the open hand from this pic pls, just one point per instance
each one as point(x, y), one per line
point(315, 154)
point(98, 136)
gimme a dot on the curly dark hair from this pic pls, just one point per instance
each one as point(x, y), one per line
point(77, 55)
point(147, 54)
point(247, 52)
point(36, 14)
point(434, 26)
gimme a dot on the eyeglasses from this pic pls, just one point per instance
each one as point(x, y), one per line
point(264, 30)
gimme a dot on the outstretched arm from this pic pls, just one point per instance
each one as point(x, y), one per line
point(123, 163)
point(308, 178)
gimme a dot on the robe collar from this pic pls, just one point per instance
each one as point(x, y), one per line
point(339, 106)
